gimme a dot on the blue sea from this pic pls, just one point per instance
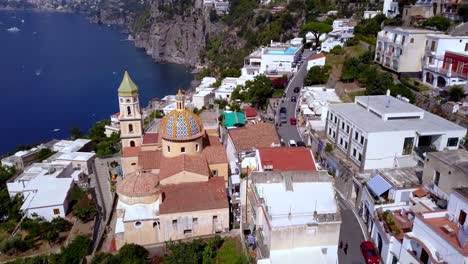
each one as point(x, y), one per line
point(61, 71)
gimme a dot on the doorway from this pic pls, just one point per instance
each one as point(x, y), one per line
point(424, 256)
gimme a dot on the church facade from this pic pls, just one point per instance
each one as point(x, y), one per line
point(174, 183)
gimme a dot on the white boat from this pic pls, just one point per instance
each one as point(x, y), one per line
point(13, 29)
point(38, 71)
point(56, 130)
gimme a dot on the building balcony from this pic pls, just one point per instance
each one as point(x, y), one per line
point(444, 71)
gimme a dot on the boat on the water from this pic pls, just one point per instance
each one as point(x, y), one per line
point(56, 130)
point(13, 29)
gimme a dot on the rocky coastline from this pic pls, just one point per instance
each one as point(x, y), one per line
point(171, 34)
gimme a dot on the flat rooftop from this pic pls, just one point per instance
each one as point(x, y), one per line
point(454, 158)
point(412, 30)
point(294, 203)
point(49, 191)
point(371, 122)
point(403, 177)
point(76, 156)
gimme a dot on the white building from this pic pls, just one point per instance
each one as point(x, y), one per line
point(445, 60)
point(344, 24)
point(316, 60)
point(383, 132)
point(441, 236)
point(226, 88)
point(371, 14)
point(202, 97)
point(67, 146)
point(45, 188)
point(21, 159)
point(314, 107)
point(295, 216)
point(402, 49)
point(82, 161)
point(277, 59)
point(334, 39)
point(390, 8)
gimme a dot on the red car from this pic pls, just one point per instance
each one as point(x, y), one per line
point(369, 252)
point(293, 121)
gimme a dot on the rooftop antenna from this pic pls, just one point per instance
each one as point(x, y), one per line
point(387, 105)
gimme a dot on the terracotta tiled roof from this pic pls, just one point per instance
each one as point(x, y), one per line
point(214, 151)
point(150, 138)
point(197, 196)
point(250, 112)
point(130, 151)
point(138, 185)
point(148, 160)
point(287, 158)
point(254, 136)
point(191, 163)
point(116, 115)
point(215, 154)
point(420, 192)
point(316, 56)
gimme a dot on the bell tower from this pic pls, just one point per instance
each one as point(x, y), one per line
point(131, 125)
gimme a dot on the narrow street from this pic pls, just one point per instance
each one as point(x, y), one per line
point(287, 131)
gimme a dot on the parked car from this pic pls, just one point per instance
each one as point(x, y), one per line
point(293, 121)
point(293, 99)
point(297, 89)
point(292, 143)
point(369, 252)
point(283, 118)
point(283, 110)
point(301, 144)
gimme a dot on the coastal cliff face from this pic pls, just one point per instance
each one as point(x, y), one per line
point(169, 30)
point(177, 31)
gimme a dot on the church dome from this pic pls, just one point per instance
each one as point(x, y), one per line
point(138, 185)
point(181, 124)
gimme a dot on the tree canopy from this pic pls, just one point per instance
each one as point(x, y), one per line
point(128, 254)
point(438, 22)
point(463, 12)
point(456, 93)
point(317, 29)
point(317, 75)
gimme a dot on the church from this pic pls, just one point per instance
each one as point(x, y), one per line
point(174, 181)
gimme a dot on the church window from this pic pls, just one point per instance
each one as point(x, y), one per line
point(137, 224)
point(130, 128)
point(214, 172)
point(121, 100)
point(168, 148)
point(56, 211)
point(197, 148)
point(129, 110)
point(132, 143)
point(155, 224)
point(128, 100)
point(182, 149)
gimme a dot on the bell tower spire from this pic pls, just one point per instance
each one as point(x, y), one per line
point(180, 100)
point(131, 125)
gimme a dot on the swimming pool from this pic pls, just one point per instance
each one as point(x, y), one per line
point(288, 51)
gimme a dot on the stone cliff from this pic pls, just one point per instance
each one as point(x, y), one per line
point(177, 31)
point(169, 30)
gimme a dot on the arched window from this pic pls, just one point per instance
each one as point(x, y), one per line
point(182, 149)
point(129, 110)
point(130, 128)
point(138, 224)
point(197, 148)
point(168, 148)
point(132, 143)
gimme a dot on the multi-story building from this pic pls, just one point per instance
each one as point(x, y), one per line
point(423, 9)
point(277, 59)
point(402, 49)
point(445, 170)
point(293, 216)
point(445, 60)
point(390, 8)
point(384, 132)
point(439, 236)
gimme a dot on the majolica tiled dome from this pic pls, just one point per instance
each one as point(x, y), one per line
point(181, 124)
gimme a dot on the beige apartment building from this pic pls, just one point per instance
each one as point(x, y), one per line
point(402, 49)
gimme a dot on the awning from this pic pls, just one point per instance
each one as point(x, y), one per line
point(378, 185)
